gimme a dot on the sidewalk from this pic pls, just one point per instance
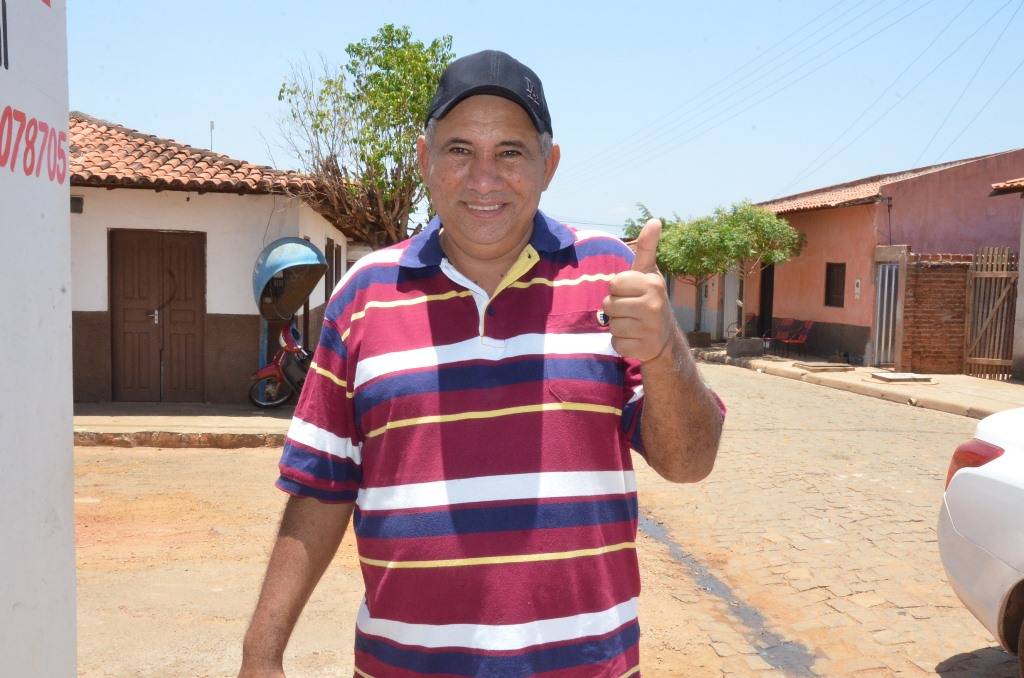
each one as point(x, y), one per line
point(234, 426)
point(179, 425)
point(953, 393)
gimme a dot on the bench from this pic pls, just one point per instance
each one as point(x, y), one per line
point(790, 332)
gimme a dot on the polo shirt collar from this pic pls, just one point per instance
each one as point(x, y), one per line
point(424, 248)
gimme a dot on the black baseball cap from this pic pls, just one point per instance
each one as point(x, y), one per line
point(491, 72)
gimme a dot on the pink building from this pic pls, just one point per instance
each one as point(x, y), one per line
point(847, 278)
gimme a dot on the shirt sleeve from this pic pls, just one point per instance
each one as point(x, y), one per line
point(633, 406)
point(322, 455)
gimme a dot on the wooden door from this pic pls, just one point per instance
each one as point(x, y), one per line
point(767, 301)
point(182, 317)
point(158, 308)
point(989, 314)
point(135, 293)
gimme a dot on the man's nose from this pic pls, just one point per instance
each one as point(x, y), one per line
point(484, 174)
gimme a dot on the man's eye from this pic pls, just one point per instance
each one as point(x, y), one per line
point(458, 150)
point(511, 153)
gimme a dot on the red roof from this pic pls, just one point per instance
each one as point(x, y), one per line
point(859, 192)
point(107, 154)
point(1011, 186)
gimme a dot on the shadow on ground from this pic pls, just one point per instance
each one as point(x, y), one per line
point(986, 662)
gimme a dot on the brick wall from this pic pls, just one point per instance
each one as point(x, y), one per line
point(933, 314)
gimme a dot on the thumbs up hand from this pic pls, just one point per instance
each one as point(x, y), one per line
point(640, 316)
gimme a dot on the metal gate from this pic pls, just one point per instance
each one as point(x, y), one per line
point(886, 293)
point(991, 297)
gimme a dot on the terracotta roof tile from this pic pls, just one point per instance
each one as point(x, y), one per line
point(859, 192)
point(106, 154)
point(1011, 186)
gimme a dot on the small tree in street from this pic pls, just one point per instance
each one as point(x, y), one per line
point(744, 238)
point(757, 238)
point(693, 251)
point(354, 129)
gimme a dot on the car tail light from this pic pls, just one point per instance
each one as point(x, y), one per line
point(972, 454)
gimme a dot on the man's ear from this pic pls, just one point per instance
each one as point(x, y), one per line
point(551, 164)
point(421, 155)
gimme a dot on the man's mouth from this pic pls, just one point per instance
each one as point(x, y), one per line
point(484, 209)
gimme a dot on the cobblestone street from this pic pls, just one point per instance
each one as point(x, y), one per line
point(810, 551)
point(820, 519)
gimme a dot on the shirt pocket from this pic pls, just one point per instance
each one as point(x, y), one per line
point(582, 366)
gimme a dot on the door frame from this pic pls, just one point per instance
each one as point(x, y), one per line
point(205, 292)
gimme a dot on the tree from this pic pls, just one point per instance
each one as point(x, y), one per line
point(354, 129)
point(757, 238)
point(633, 226)
point(743, 237)
point(631, 231)
point(693, 251)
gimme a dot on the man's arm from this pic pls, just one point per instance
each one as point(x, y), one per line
point(307, 540)
point(681, 423)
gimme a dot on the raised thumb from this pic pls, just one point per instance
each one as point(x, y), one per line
point(646, 260)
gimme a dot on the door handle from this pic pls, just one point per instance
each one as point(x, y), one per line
point(155, 315)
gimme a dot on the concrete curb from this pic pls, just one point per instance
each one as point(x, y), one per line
point(176, 439)
point(907, 394)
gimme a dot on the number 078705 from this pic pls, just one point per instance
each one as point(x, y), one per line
point(30, 145)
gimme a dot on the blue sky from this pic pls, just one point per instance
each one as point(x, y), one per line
point(680, 105)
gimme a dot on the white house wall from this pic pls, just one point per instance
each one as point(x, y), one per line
point(236, 229)
point(318, 230)
point(730, 308)
point(710, 317)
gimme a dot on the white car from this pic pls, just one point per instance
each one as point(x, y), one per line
point(981, 527)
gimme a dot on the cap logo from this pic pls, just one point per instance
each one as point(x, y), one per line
point(531, 91)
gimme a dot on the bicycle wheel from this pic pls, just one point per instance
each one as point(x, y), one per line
point(270, 392)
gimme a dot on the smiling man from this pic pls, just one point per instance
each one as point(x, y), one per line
point(475, 396)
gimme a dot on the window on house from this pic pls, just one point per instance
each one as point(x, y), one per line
point(835, 284)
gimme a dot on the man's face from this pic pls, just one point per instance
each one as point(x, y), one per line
point(485, 173)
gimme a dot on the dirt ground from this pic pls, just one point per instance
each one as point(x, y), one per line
point(810, 551)
point(172, 545)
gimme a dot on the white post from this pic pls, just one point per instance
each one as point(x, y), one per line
point(37, 563)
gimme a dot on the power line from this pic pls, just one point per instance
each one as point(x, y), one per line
point(673, 114)
point(802, 173)
point(715, 119)
point(969, 82)
point(586, 222)
point(911, 90)
point(728, 97)
point(719, 121)
point(983, 107)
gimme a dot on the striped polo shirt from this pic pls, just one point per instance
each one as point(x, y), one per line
point(485, 441)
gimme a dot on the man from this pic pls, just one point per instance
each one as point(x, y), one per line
point(474, 398)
